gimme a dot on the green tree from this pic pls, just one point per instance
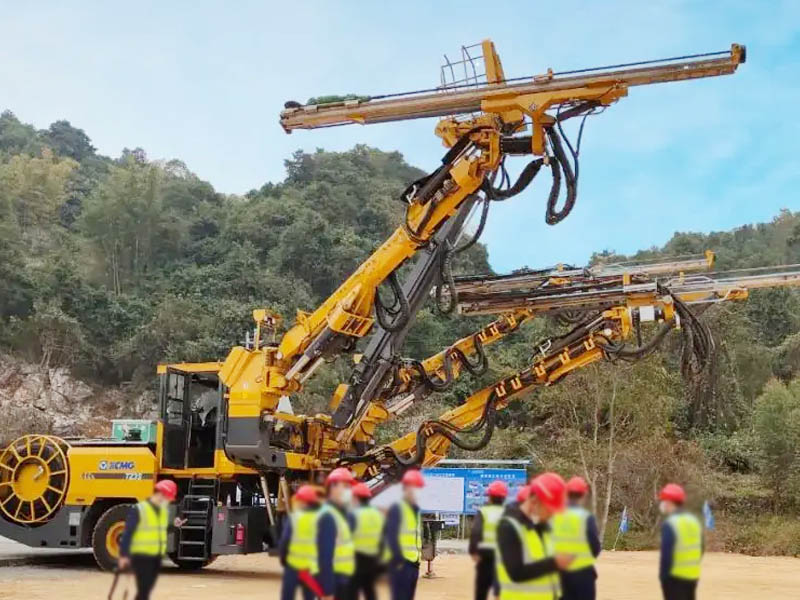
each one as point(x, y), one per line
point(35, 187)
point(124, 221)
point(776, 422)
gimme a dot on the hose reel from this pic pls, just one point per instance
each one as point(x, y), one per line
point(34, 476)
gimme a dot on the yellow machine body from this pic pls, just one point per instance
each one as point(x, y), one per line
point(109, 472)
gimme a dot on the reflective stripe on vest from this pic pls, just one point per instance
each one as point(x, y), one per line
point(302, 553)
point(569, 537)
point(534, 548)
point(150, 537)
point(688, 550)
point(490, 515)
point(369, 526)
point(410, 533)
point(344, 556)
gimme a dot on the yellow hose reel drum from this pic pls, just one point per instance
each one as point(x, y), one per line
point(34, 475)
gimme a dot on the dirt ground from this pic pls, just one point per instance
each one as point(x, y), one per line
point(623, 575)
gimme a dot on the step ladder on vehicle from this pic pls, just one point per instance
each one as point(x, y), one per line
point(194, 536)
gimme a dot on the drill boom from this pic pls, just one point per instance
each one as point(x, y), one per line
point(433, 103)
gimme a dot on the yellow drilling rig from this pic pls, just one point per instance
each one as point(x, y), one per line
point(226, 432)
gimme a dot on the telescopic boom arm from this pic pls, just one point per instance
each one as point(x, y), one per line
point(609, 318)
point(415, 380)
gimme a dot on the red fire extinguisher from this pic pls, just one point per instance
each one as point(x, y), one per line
point(240, 534)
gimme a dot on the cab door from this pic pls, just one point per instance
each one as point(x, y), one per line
point(176, 417)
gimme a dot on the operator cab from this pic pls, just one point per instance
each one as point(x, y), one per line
point(191, 404)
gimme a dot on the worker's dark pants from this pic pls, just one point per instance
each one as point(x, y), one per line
point(403, 580)
point(485, 579)
point(344, 588)
point(578, 585)
point(363, 582)
point(290, 583)
point(678, 589)
point(145, 571)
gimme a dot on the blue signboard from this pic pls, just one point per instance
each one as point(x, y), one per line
point(477, 480)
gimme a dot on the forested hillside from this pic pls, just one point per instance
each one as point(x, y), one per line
point(109, 266)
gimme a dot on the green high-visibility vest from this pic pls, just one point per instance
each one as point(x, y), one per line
point(535, 547)
point(344, 556)
point(410, 533)
point(688, 550)
point(569, 537)
point(367, 534)
point(490, 516)
point(302, 552)
point(150, 537)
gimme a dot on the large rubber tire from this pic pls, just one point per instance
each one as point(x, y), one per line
point(106, 536)
point(190, 565)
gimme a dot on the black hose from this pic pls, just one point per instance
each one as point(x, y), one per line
point(560, 162)
point(451, 433)
point(434, 383)
point(481, 365)
point(528, 173)
point(383, 313)
point(446, 279)
point(479, 230)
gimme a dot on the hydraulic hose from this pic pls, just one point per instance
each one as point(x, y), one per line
point(384, 313)
point(560, 163)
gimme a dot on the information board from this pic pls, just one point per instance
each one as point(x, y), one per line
point(476, 481)
point(451, 490)
point(440, 494)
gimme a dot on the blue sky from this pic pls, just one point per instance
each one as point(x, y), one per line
point(205, 81)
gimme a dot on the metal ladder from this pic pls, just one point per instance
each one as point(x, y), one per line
point(194, 537)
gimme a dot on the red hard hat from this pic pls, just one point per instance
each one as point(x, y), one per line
point(167, 488)
point(673, 492)
point(413, 478)
point(551, 491)
point(523, 493)
point(497, 489)
point(306, 493)
point(361, 490)
point(577, 485)
point(339, 475)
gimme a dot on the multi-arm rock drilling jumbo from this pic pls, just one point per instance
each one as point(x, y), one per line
point(225, 432)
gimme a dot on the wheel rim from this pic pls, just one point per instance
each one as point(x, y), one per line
point(113, 538)
point(33, 478)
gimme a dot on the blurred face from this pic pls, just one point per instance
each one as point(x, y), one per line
point(411, 494)
point(340, 493)
point(535, 510)
point(577, 500)
point(667, 507)
point(159, 499)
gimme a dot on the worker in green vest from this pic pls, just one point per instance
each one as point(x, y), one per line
point(575, 533)
point(483, 539)
point(144, 540)
point(403, 538)
point(336, 554)
point(367, 531)
point(527, 565)
point(681, 546)
point(297, 547)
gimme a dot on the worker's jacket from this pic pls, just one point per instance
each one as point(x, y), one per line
point(537, 545)
point(368, 529)
point(490, 517)
point(688, 549)
point(410, 533)
point(150, 536)
point(344, 560)
point(302, 552)
point(570, 537)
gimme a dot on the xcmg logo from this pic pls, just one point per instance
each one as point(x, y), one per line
point(116, 465)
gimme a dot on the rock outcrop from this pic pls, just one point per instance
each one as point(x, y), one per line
point(34, 399)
